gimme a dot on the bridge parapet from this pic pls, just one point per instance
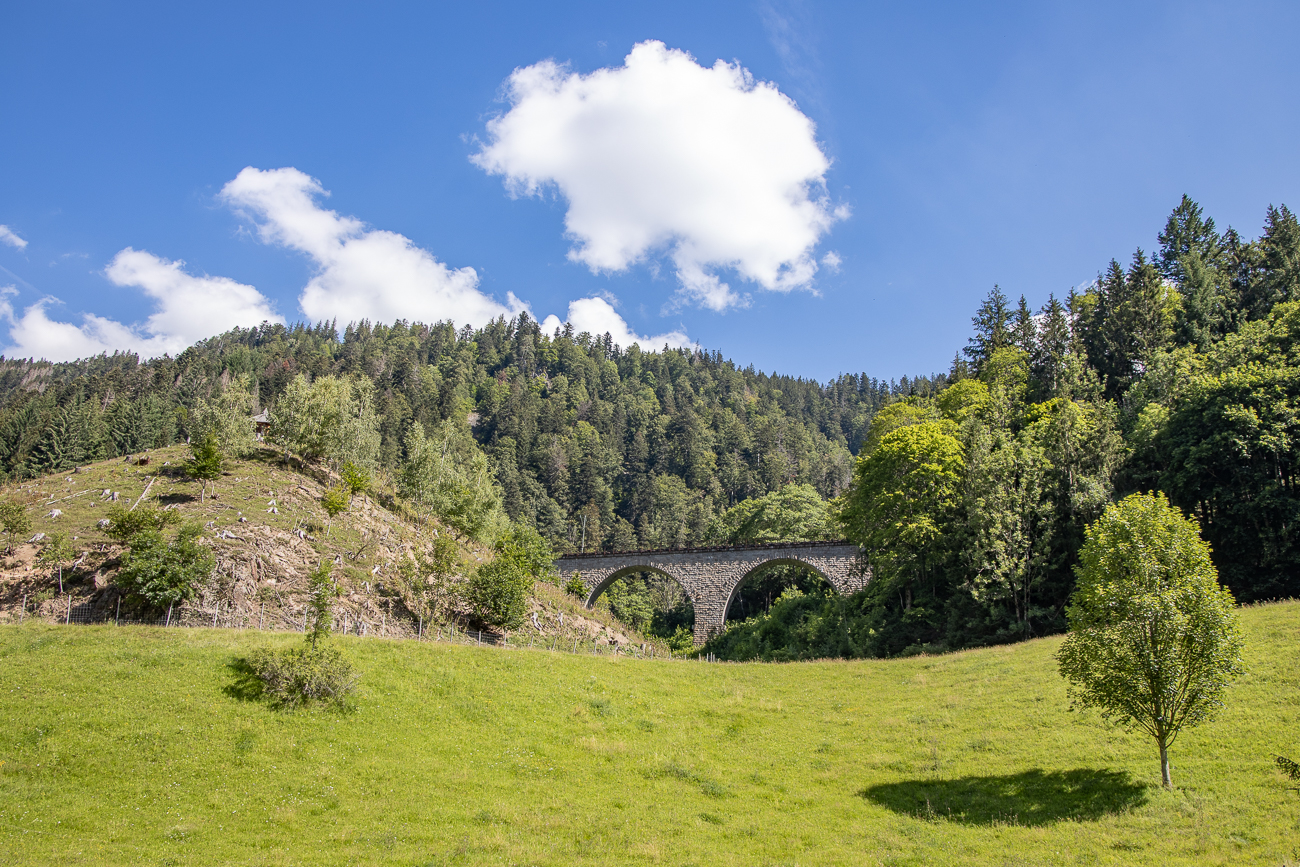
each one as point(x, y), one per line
point(711, 575)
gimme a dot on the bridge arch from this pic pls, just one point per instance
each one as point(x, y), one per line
point(710, 576)
point(777, 561)
point(603, 585)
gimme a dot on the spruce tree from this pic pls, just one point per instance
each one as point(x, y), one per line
point(1187, 233)
point(992, 327)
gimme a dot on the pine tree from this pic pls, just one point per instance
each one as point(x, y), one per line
point(1187, 233)
point(51, 452)
point(1054, 341)
point(992, 327)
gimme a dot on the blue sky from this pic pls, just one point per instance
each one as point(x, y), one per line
point(931, 150)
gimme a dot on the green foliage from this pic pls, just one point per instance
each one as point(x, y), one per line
point(795, 513)
point(14, 521)
point(206, 462)
point(162, 572)
point(575, 588)
point(1154, 640)
point(329, 418)
point(355, 479)
point(498, 590)
point(297, 676)
point(321, 593)
point(426, 577)
point(125, 524)
point(334, 501)
point(227, 420)
point(897, 415)
point(447, 475)
point(55, 550)
point(901, 498)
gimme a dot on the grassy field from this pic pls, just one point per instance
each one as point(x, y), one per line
point(134, 746)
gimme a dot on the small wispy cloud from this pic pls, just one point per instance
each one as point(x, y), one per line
point(8, 236)
point(597, 316)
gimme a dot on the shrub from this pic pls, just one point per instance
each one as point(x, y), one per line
point(498, 591)
point(317, 671)
point(355, 479)
point(124, 525)
point(575, 587)
point(14, 521)
point(335, 502)
point(163, 572)
point(206, 462)
point(300, 675)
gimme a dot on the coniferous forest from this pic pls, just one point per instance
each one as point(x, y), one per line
point(1176, 370)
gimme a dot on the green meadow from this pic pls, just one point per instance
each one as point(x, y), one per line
point(144, 746)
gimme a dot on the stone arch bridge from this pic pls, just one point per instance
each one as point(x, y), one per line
point(710, 576)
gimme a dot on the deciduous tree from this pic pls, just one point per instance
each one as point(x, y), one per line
point(1154, 639)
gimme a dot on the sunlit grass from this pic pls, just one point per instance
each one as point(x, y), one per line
point(128, 746)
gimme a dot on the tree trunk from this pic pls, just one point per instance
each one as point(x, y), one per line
point(1165, 779)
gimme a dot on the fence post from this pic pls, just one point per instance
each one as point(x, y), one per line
point(23, 614)
point(169, 617)
point(117, 618)
point(259, 615)
point(214, 615)
point(480, 636)
point(67, 620)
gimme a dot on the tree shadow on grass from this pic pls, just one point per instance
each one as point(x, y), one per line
point(1030, 798)
point(245, 685)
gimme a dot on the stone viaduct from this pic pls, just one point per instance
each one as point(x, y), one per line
point(710, 576)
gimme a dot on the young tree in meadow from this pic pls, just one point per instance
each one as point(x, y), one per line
point(1154, 639)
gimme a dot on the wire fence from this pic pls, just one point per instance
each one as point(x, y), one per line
point(196, 617)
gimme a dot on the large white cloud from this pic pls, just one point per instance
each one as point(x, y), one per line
point(362, 273)
point(7, 236)
point(597, 316)
point(186, 309)
point(663, 155)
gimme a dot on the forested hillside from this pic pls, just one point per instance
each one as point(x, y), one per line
point(969, 490)
point(648, 447)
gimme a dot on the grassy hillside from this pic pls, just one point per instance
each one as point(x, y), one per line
point(268, 530)
point(134, 745)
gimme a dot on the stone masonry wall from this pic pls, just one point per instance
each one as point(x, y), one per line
point(710, 577)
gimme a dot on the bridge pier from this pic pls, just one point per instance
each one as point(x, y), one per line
point(710, 576)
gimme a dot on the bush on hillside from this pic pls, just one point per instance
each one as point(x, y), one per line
point(162, 572)
point(498, 591)
point(124, 524)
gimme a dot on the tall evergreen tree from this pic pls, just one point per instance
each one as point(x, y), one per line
point(992, 323)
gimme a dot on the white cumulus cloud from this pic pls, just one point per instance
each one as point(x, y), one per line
point(361, 273)
point(186, 309)
point(664, 156)
point(7, 236)
point(597, 316)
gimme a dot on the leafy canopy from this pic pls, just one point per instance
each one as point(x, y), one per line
point(1154, 640)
